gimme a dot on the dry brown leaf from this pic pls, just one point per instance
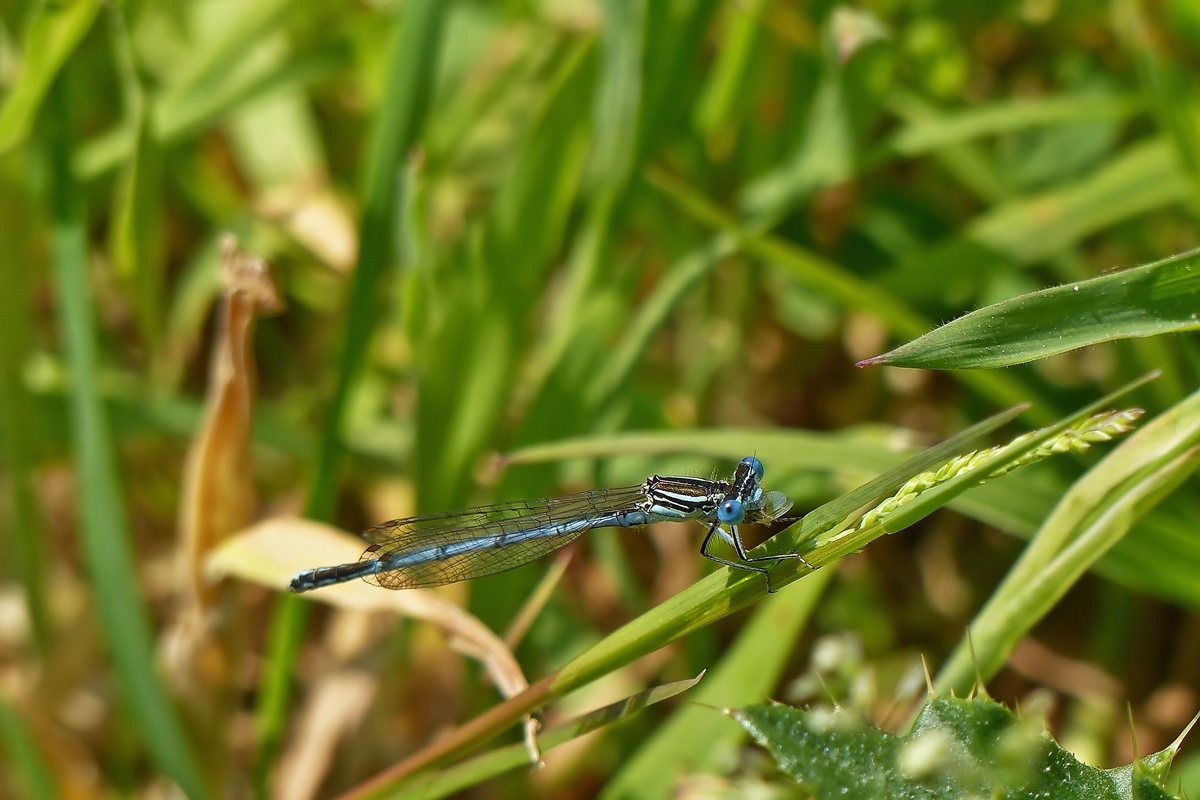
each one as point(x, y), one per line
point(335, 706)
point(217, 491)
point(218, 495)
point(271, 552)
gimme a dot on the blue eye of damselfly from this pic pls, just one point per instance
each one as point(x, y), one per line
point(755, 465)
point(731, 512)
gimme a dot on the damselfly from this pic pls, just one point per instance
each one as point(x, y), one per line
point(435, 549)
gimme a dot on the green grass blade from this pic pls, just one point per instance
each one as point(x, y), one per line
point(619, 94)
point(1016, 611)
point(842, 287)
point(693, 738)
point(54, 32)
point(728, 78)
point(825, 153)
point(1144, 177)
point(954, 128)
point(1097, 511)
point(223, 58)
point(186, 116)
point(837, 511)
point(1165, 83)
point(1149, 300)
point(1157, 557)
point(682, 276)
point(135, 241)
point(710, 599)
point(812, 270)
point(505, 759)
point(616, 114)
point(177, 117)
point(409, 81)
point(967, 162)
point(101, 512)
point(23, 538)
point(30, 769)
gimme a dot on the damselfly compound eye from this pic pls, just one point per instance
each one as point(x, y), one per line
point(755, 465)
point(731, 512)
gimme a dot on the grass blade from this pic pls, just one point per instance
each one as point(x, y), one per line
point(920, 137)
point(53, 34)
point(31, 770)
point(23, 538)
point(693, 737)
point(1143, 177)
point(842, 287)
point(1087, 521)
point(504, 759)
point(1149, 300)
point(674, 285)
point(410, 78)
point(103, 527)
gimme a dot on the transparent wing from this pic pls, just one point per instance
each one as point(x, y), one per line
point(462, 545)
point(775, 505)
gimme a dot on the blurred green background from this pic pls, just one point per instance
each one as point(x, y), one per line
point(499, 225)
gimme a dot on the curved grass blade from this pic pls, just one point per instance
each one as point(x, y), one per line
point(1157, 557)
point(504, 759)
point(1018, 607)
point(842, 287)
point(653, 313)
point(794, 448)
point(1149, 300)
point(410, 79)
point(712, 598)
point(53, 33)
point(23, 759)
point(1093, 516)
point(23, 537)
point(1141, 178)
point(102, 520)
point(692, 739)
point(1007, 116)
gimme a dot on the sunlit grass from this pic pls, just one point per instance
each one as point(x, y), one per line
point(528, 249)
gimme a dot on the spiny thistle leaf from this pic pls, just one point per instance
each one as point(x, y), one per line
point(958, 748)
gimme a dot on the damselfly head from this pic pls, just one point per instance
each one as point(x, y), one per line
point(755, 466)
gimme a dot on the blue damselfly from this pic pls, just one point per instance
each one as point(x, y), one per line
point(435, 549)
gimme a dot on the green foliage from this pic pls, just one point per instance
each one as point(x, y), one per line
point(489, 765)
point(956, 748)
point(104, 526)
point(1150, 300)
point(604, 239)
